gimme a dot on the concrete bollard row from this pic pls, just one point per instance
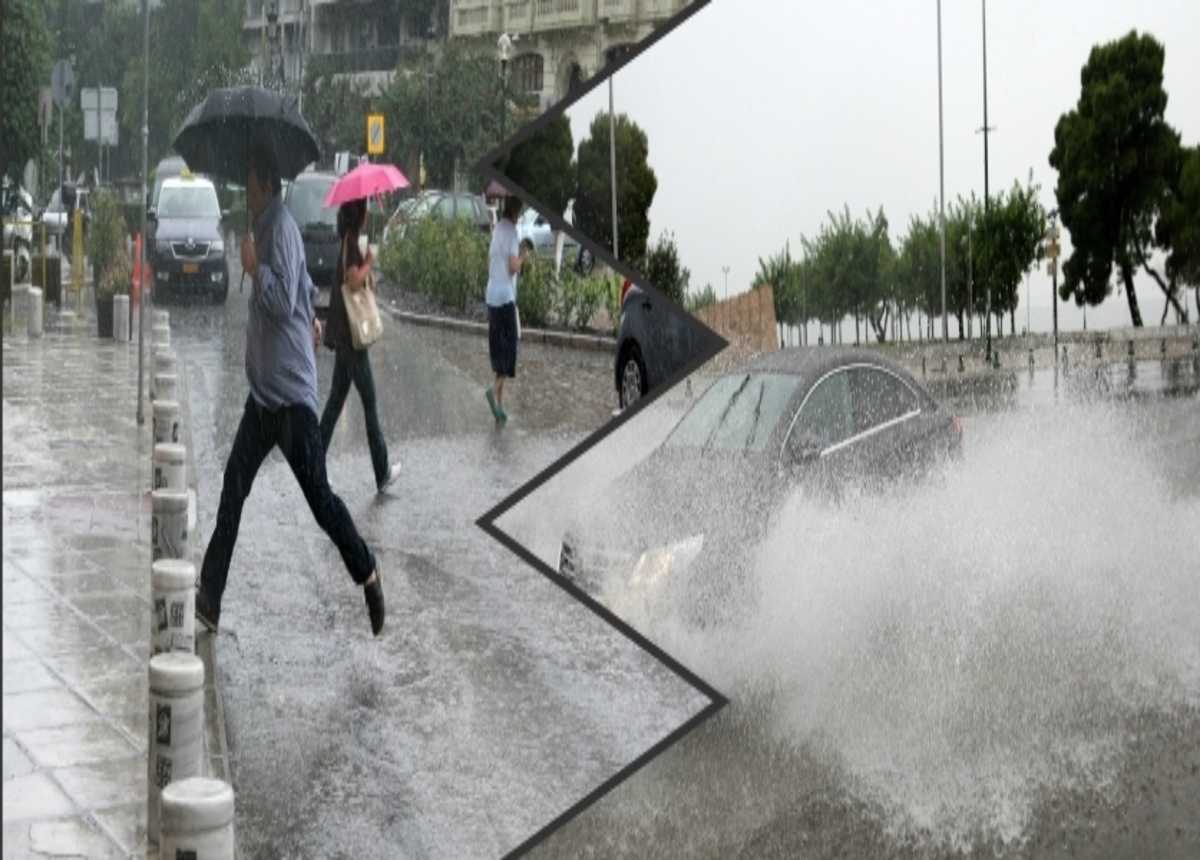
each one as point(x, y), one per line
point(121, 319)
point(168, 525)
point(196, 820)
point(164, 365)
point(170, 467)
point(173, 594)
point(166, 421)
point(160, 335)
point(176, 741)
point(35, 312)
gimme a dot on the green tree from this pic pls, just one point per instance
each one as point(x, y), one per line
point(1179, 226)
point(664, 271)
point(195, 46)
point(104, 52)
point(543, 164)
point(27, 67)
point(1014, 246)
point(336, 109)
point(449, 105)
point(1113, 154)
point(636, 186)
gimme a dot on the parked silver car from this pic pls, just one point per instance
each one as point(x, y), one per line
point(536, 231)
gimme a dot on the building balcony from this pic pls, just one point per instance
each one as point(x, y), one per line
point(474, 17)
point(518, 16)
point(557, 14)
point(659, 10)
point(381, 59)
point(618, 11)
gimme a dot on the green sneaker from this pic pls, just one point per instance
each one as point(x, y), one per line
point(501, 415)
point(491, 399)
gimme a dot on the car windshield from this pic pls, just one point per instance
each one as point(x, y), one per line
point(736, 414)
point(194, 201)
point(304, 202)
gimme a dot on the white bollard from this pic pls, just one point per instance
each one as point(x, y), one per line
point(162, 318)
point(168, 525)
point(176, 749)
point(35, 312)
point(160, 335)
point(165, 386)
point(164, 362)
point(170, 469)
point(197, 820)
point(166, 421)
point(121, 319)
point(173, 592)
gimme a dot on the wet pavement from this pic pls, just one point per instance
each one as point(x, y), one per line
point(1005, 663)
point(77, 475)
point(492, 703)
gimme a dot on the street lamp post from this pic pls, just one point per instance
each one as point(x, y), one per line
point(503, 49)
point(986, 202)
point(970, 281)
point(725, 269)
point(272, 25)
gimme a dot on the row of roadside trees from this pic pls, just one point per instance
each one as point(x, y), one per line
point(1128, 193)
point(851, 270)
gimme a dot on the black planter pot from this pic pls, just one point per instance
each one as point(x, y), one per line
point(104, 315)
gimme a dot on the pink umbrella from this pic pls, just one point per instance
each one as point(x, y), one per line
point(363, 182)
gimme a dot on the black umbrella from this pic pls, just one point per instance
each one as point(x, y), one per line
point(217, 135)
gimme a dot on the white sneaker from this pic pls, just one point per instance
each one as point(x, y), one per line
point(393, 474)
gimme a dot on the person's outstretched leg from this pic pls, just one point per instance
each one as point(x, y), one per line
point(300, 441)
point(338, 389)
point(256, 435)
point(364, 381)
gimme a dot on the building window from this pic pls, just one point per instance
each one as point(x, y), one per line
point(527, 72)
point(616, 52)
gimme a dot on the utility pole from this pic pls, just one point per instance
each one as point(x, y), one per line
point(987, 279)
point(1052, 251)
point(942, 193)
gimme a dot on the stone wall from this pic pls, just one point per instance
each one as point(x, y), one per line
point(747, 321)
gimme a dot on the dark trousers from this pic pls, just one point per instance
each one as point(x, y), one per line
point(294, 429)
point(351, 365)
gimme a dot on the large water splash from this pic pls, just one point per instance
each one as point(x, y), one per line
point(967, 646)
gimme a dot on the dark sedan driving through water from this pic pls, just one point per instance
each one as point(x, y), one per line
point(686, 520)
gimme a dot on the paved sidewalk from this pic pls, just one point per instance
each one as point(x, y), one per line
point(76, 593)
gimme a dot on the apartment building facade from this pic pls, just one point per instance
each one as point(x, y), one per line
point(557, 45)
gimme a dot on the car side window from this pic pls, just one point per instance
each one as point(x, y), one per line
point(879, 397)
point(826, 413)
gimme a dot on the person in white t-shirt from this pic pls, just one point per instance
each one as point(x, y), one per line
point(505, 258)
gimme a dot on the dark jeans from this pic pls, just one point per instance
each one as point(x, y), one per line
point(352, 365)
point(294, 429)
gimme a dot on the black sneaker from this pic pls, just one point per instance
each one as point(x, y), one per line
point(204, 613)
point(374, 595)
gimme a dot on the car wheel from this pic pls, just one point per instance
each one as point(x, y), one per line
point(221, 294)
point(585, 262)
point(633, 377)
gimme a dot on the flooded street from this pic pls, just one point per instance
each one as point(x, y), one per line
point(1002, 662)
point(493, 701)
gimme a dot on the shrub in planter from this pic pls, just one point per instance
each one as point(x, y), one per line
point(536, 290)
point(107, 237)
point(444, 259)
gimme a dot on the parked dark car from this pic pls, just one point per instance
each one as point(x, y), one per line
point(188, 254)
point(654, 340)
point(318, 225)
point(687, 519)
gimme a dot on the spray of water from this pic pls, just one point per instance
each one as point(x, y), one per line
point(967, 645)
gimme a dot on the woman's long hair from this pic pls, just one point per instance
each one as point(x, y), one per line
point(350, 218)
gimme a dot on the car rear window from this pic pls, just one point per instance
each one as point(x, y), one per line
point(736, 414)
point(304, 202)
point(189, 201)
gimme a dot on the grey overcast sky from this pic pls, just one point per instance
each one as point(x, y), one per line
point(764, 115)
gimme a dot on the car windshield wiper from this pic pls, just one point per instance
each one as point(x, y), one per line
point(725, 413)
point(762, 388)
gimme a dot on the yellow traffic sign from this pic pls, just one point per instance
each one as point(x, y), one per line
point(1052, 249)
point(375, 134)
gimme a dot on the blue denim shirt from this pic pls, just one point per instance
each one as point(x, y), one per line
point(281, 362)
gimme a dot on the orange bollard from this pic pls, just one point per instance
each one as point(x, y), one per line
point(139, 278)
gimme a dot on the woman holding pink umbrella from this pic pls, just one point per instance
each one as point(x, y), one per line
point(352, 366)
